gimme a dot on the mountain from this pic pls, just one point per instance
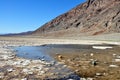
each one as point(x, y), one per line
point(93, 17)
point(17, 34)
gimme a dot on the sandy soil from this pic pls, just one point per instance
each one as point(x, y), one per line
point(14, 68)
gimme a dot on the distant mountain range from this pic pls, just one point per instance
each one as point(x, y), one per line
point(93, 17)
point(17, 34)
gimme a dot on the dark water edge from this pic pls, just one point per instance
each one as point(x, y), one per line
point(45, 52)
point(69, 77)
point(33, 52)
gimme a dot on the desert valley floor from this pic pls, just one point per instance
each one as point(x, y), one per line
point(101, 63)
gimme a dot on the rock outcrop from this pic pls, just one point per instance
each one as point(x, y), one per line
point(90, 18)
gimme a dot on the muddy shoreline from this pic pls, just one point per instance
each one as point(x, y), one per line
point(97, 65)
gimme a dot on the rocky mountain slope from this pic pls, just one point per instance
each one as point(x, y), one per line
point(90, 18)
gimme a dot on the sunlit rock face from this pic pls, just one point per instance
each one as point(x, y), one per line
point(93, 17)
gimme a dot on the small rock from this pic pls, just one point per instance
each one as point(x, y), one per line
point(113, 66)
point(43, 59)
point(24, 79)
point(10, 69)
point(70, 79)
point(42, 72)
point(91, 54)
point(83, 79)
point(60, 57)
point(76, 70)
point(90, 79)
point(17, 63)
point(49, 65)
point(5, 57)
point(104, 74)
point(25, 70)
point(26, 62)
point(30, 72)
point(36, 61)
point(98, 74)
point(114, 55)
point(64, 66)
point(94, 62)
point(117, 60)
point(86, 79)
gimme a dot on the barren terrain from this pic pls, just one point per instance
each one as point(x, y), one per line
point(15, 68)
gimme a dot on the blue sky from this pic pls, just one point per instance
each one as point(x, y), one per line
point(27, 15)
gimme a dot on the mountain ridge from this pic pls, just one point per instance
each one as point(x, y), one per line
point(90, 18)
point(17, 34)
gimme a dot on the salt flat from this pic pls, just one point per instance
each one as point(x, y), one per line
point(13, 67)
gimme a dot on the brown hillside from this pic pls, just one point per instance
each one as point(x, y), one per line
point(90, 18)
